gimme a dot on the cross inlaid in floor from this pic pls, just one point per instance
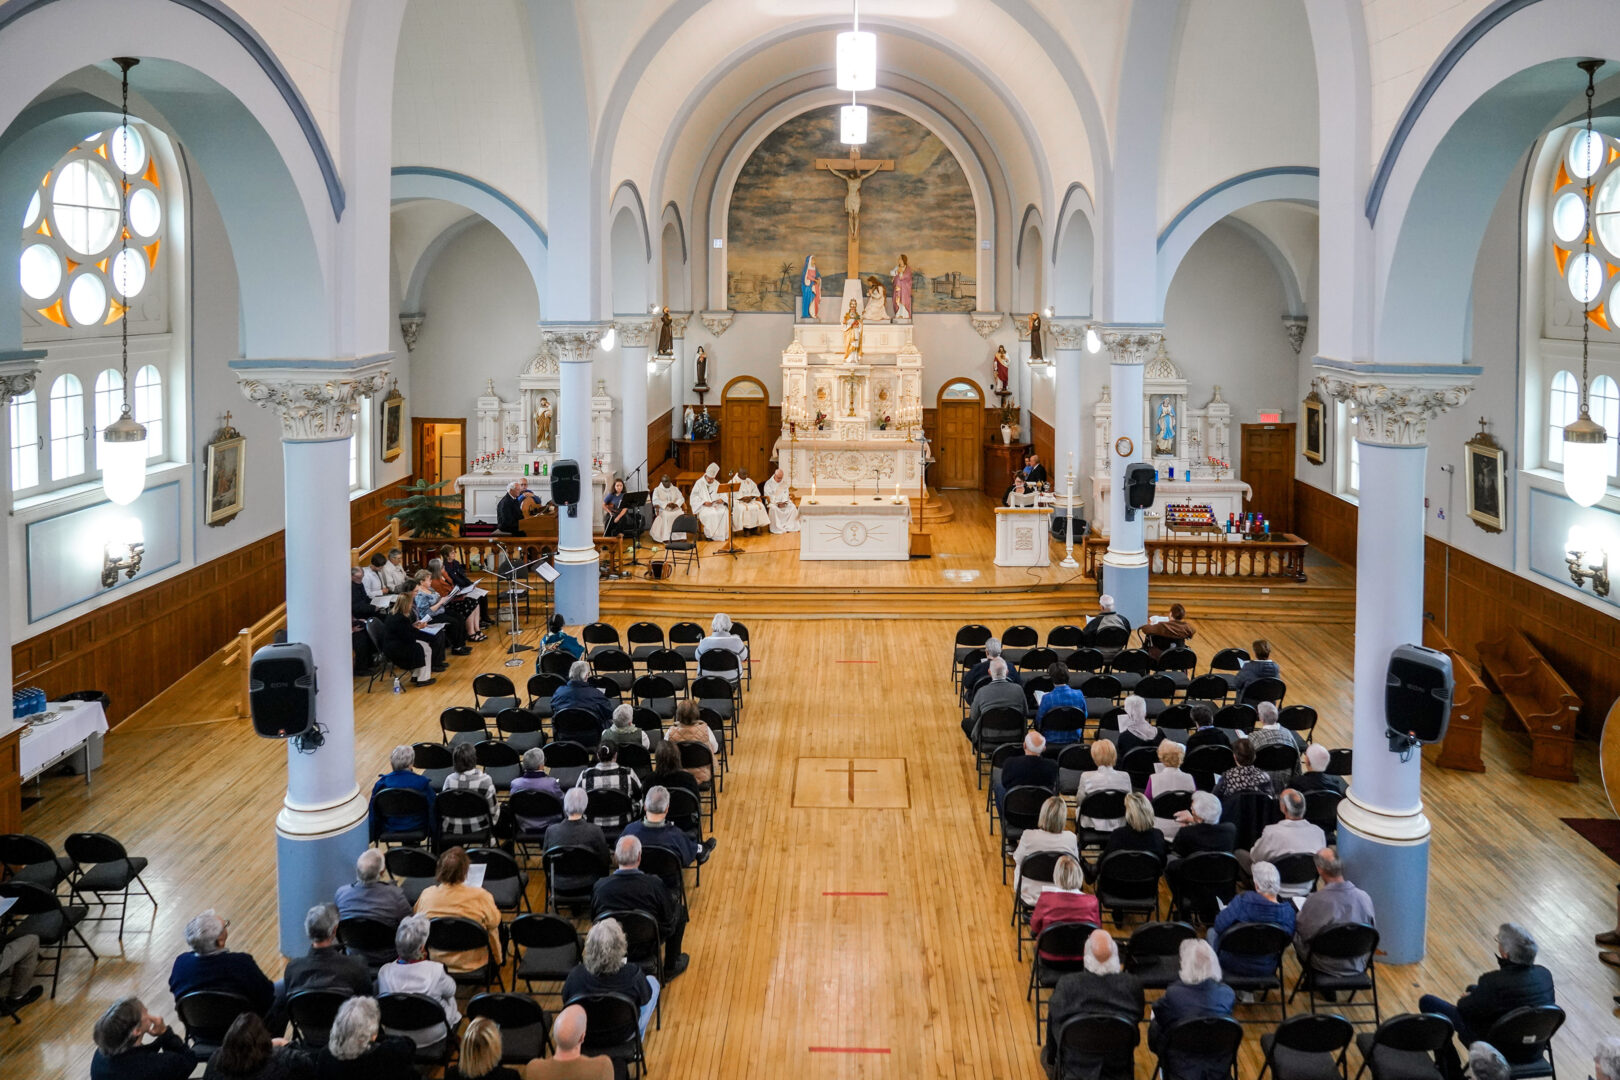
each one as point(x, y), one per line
point(851, 783)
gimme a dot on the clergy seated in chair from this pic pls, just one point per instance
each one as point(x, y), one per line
point(779, 504)
point(668, 504)
point(1105, 988)
point(709, 504)
point(999, 692)
point(748, 508)
point(1336, 902)
point(211, 966)
point(1517, 982)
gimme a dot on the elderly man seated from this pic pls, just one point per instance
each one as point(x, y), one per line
point(978, 673)
point(1032, 768)
point(1337, 901)
point(1262, 904)
point(325, 967)
point(1105, 618)
point(721, 638)
point(1101, 988)
point(1313, 774)
point(566, 1062)
point(1198, 993)
point(401, 774)
point(628, 889)
point(18, 959)
point(122, 1050)
point(654, 830)
point(1517, 982)
point(578, 693)
point(1293, 835)
point(370, 897)
point(211, 966)
point(999, 692)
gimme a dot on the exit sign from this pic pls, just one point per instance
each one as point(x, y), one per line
point(1270, 416)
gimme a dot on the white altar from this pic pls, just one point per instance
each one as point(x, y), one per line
point(846, 528)
point(1021, 535)
point(852, 428)
point(1195, 443)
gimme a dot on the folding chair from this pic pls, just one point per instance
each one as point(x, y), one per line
point(545, 948)
point(643, 639)
point(402, 1014)
point(493, 692)
point(401, 803)
point(412, 870)
point(111, 869)
point(1204, 1037)
point(386, 668)
point(571, 875)
point(1066, 939)
point(1020, 810)
point(1227, 662)
point(1153, 953)
point(45, 916)
point(435, 762)
point(741, 631)
point(463, 724)
point(613, 1023)
point(1128, 884)
point(671, 665)
point(520, 729)
point(467, 805)
point(1094, 1035)
point(685, 637)
point(656, 693)
point(1037, 866)
point(500, 761)
point(312, 1013)
point(1524, 1036)
point(525, 1028)
point(566, 760)
point(1310, 1046)
point(684, 534)
point(644, 946)
point(1130, 666)
point(614, 663)
point(371, 940)
point(449, 933)
point(28, 858)
point(1272, 690)
point(1016, 641)
point(1405, 1047)
point(504, 879)
point(970, 637)
point(1178, 663)
point(1064, 639)
point(1343, 941)
point(207, 1015)
point(1238, 717)
point(542, 684)
point(1300, 719)
point(1211, 688)
point(1261, 942)
point(577, 726)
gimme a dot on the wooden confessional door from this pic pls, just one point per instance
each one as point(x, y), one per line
point(1268, 469)
point(745, 435)
point(958, 451)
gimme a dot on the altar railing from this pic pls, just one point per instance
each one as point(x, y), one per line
point(1281, 557)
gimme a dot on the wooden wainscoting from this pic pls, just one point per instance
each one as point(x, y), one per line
point(1041, 435)
point(659, 433)
point(1327, 521)
point(135, 648)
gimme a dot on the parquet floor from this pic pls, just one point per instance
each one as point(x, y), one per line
point(826, 942)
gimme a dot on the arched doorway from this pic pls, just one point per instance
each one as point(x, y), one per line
point(957, 450)
point(745, 407)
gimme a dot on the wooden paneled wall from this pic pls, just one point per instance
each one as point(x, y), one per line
point(136, 647)
point(1472, 601)
point(659, 433)
point(1041, 435)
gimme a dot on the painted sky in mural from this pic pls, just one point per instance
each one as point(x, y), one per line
point(783, 208)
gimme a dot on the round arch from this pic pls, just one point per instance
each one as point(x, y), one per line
point(744, 380)
point(486, 203)
point(939, 397)
point(630, 252)
point(1074, 254)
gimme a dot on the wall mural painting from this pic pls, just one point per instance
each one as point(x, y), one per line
point(783, 208)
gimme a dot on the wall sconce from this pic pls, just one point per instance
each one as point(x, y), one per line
point(1587, 562)
point(122, 552)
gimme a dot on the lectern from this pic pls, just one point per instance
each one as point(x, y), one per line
point(1021, 535)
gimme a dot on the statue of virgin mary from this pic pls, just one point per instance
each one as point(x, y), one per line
point(810, 290)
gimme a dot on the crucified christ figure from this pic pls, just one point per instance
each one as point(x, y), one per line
point(853, 172)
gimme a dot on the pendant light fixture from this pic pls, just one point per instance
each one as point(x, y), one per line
point(123, 442)
point(857, 70)
point(1586, 443)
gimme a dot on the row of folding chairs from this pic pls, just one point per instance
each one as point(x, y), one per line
point(643, 640)
point(494, 696)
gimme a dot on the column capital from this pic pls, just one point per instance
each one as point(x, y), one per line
point(717, 322)
point(1295, 325)
point(677, 323)
point(635, 333)
point(18, 371)
point(1130, 343)
point(1394, 402)
point(410, 325)
point(316, 399)
point(1020, 322)
point(986, 323)
point(573, 343)
point(1069, 333)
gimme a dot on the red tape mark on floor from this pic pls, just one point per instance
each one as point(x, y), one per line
point(849, 1049)
point(854, 661)
point(854, 894)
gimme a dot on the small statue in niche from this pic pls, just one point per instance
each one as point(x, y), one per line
point(852, 334)
point(702, 384)
point(1035, 344)
point(666, 335)
point(1164, 426)
point(542, 425)
point(688, 420)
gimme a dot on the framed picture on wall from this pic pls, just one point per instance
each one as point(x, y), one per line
point(1315, 429)
point(1485, 464)
point(223, 475)
point(393, 423)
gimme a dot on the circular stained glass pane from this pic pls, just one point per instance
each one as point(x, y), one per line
point(1606, 213)
point(87, 299)
point(1569, 216)
point(1585, 154)
point(128, 150)
point(1585, 276)
point(129, 272)
point(33, 212)
point(41, 270)
point(86, 206)
point(145, 212)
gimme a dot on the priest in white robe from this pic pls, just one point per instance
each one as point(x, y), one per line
point(668, 504)
point(748, 509)
point(710, 504)
point(779, 504)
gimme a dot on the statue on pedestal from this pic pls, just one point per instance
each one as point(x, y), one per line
point(702, 384)
point(542, 426)
point(810, 290)
point(1000, 373)
point(1036, 345)
point(688, 419)
point(877, 304)
point(902, 289)
point(852, 334)
point(666, 335)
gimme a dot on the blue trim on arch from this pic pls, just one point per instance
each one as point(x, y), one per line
point(494, 193)
point(230, 22)
point(1483, 23)
point(1224, 185)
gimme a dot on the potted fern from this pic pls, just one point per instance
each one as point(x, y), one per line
point(424, 513)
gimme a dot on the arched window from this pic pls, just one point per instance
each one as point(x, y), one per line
point(1563, 406)
point(67, 427)
point(1605, 405)
point(109, 403)
point(147, 405)
point(24, 442)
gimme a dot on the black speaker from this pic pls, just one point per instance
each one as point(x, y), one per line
point(565, 482)
point(281, 690)
point(1417, 696)
point(1140, 485)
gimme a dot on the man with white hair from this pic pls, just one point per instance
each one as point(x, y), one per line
point(1485, 1062)
point(975, 676)
point(1337, 901)
point(1032, 768)
point(999, 693)
point(1313, 774)
point(1106, 617)
point(574, 830)
point(709, 504)
point(1268, 731)
point(566, 1061)
point(325, 967)
point(1197, 994)
point(578, 693)
point(402, 774)
point(1201, 830)
point(721, 637)
point(509, 510)
point(370, 897)
point(628, 889)
point(211, 966)
point(779, 504)
point(1101, 988)
point(654, 830)
point(1262, 904)
point(1518, 982)
point(1293, 835)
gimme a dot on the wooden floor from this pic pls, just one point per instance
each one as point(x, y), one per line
point(826, 942)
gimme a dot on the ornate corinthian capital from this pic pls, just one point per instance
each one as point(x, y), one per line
point(717, 322)
point(1296, 325)
point(17, 377)
point(986, 323)
point(410, 326)
point(573, 343)
point(634, 333)
point(677, 323)
point(1069, 333)
point(1131, 344)
point(316, 399)
point(1395, 402)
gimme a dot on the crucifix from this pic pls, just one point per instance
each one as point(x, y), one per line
point(852, 172)
point(852, 770)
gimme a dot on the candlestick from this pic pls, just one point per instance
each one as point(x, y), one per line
point(1068, 562)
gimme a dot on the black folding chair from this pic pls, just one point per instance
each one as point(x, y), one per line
point(1262, 943)
point(1128, 884)
point(1272, 690)
point(741, 631)
point(1094, 1036)
point(402, 1014)
point(1105, 805)
point(613, 663)
point(372, 940)
point(545, 948)
point(970, 637)
point(1322, 810)
point(452, 934)
point(571, 875)
point(1153, 953)
point(1309, 1046)
point(684, 534)
point(1037, 866)
point(1064, 939)
point(463, 724)
point(525, 1028)
point(697, 755)
point(1020, 810)
point(1405, 1047)
point(1210, 687)
point(643, 639)
point(1065, 639)
point(412, 870)
point(504, 879)
point(1240, 717)
point(435, 762)
point(996, 726)
point(500, 761)
point(1209, 1039)
point(28, 858)
point(1130, 666)
point(613, 1024)
point(206, 1016)
point(609, 809)
point(385, 668)
point(493, 692)
point(671, 665)
point(566, 760)
point(1339, 761)
point(1345, 942)
point(1524, 1036)
point(1300, 719)
point(1178, 662)
point(541, 686)
point(656, 693)
point(312, 1013)
point(644, 947)
point(101, 868)
point(520, 729)
point(399, 803)
point(576, 726)
point(1199, 880)
point(685, 637)
point(1227, 662)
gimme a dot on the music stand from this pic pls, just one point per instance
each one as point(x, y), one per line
point(508, 574)
point(634, 501)
point(729, 489)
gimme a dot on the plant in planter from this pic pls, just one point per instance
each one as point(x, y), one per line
point(706, 426)
point(884, 422)
point(424, 513)
point(821, 420)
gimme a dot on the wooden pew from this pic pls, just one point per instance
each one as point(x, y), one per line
point(1460, 748)
point(1539, 697)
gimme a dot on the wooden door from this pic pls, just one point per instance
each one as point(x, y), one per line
point(1268, 469)
point(424, 450)
point(452, 456)
point(745, 435)
point(958, 452)
point(437, 450)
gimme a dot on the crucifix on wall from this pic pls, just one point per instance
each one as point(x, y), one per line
point(853, 171)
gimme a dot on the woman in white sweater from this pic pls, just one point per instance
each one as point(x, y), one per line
point(414, 973)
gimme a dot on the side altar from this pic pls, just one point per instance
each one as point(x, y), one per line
point(852, 425)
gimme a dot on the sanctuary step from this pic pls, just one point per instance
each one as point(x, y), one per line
point(678, 600)
point(1259, 602)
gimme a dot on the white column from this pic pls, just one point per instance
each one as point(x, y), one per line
point(1021, 381)
point(1070, 338)
point(678, 369)
point(1125, 565)
point(578, 596)
point(322, 825)
point(633, 334)
point(1383, 834)
point(18, 371)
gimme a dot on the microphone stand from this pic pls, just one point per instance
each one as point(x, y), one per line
point(509, 588)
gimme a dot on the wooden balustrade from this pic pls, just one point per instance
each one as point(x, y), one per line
point(1281, 557)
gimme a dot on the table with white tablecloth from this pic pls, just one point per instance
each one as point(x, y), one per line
point(74, 726)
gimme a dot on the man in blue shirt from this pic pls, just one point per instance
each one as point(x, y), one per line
point(210, 966)
point(1060, 694)
point(655, 831)
point(401, 775)
point(576, 693)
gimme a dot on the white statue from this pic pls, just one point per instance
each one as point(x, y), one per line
point(877, 302)
point(688, 419)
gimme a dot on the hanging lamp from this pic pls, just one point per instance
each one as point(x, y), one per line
point(123, 449)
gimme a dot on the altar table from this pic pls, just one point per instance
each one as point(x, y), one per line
point(844, 528)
